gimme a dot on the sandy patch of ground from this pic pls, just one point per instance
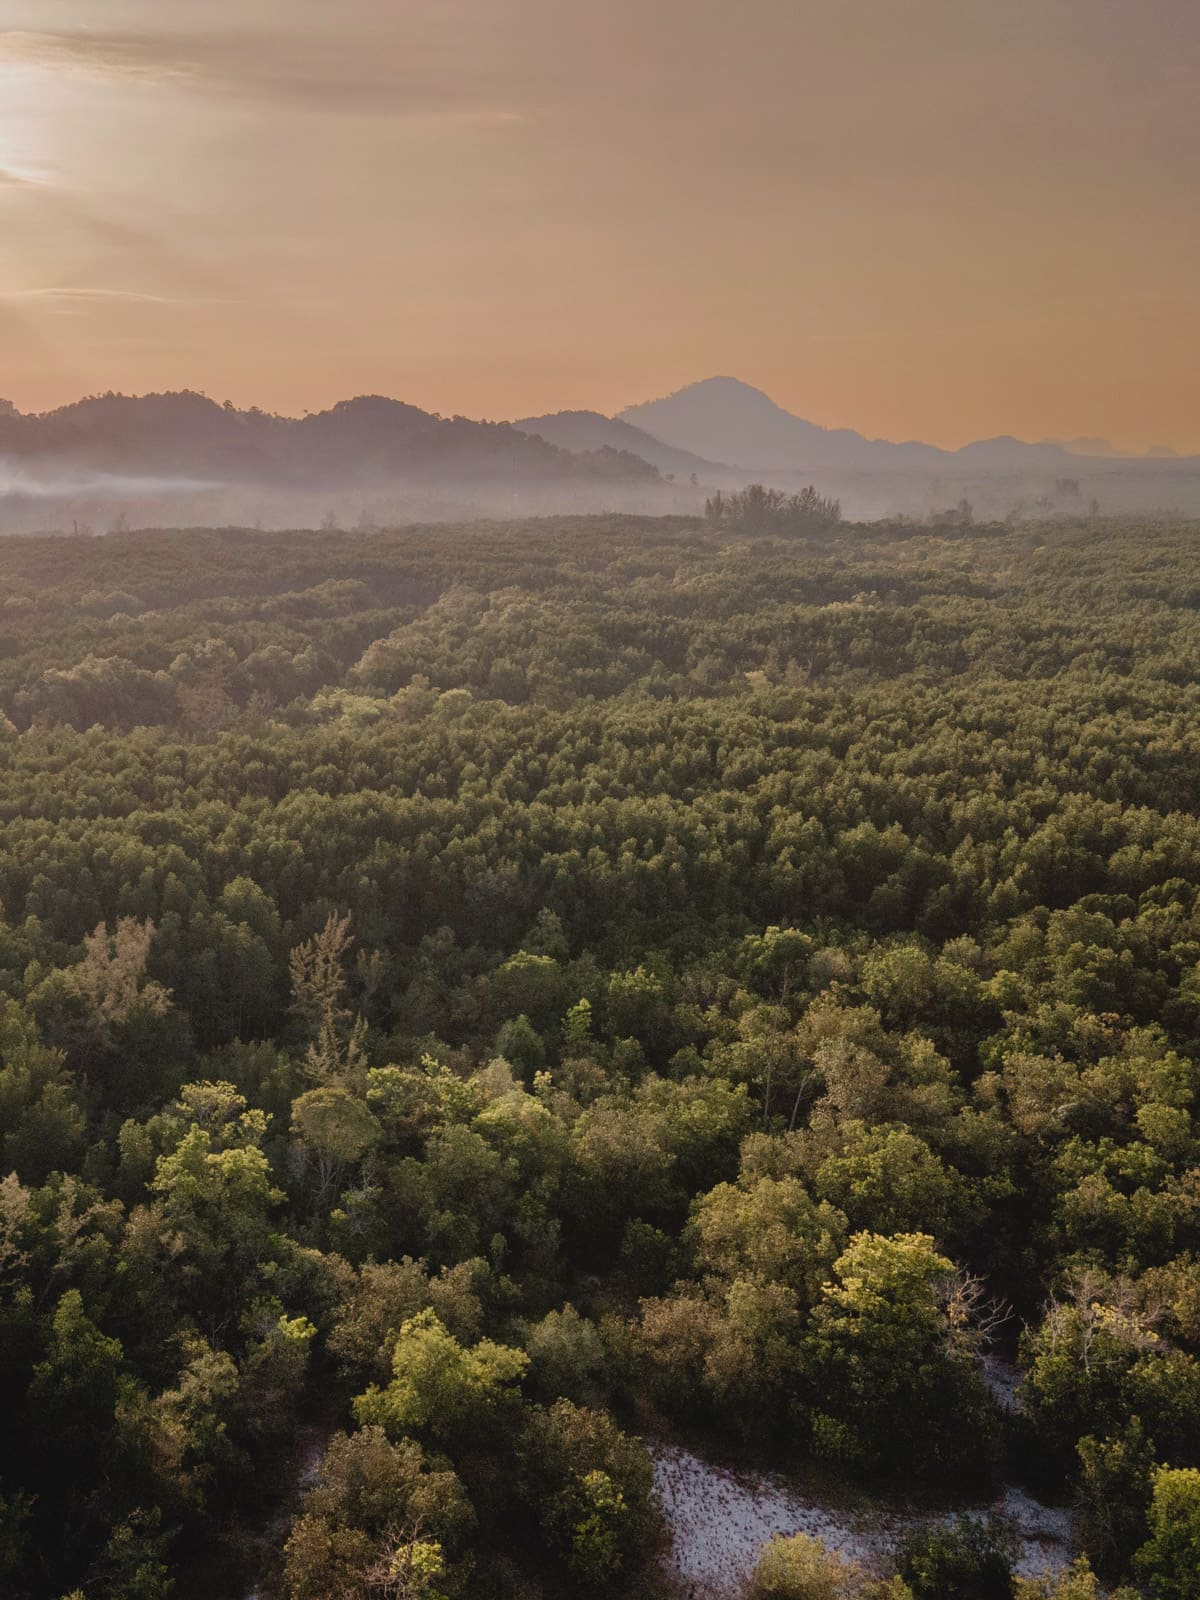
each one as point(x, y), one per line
point(719, 1521)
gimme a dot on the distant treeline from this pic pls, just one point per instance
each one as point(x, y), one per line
point(757, 509)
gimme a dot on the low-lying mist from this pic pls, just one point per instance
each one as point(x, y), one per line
point(104, 503)
point(20, 482)
point(79, 502)
point(182, 461)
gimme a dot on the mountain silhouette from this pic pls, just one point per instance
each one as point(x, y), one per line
point(183, 460)
point(591, 430)
point(731, 421)
point(365, 441)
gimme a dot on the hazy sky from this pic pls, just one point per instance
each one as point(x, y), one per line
point(922, 218)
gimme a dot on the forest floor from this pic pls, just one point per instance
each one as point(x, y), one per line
point(719, 1517)
point(259, 1549)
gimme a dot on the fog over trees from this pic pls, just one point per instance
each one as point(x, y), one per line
point(112, 462)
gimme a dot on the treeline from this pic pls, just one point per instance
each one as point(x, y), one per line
point(757, 509)
point(472, 997)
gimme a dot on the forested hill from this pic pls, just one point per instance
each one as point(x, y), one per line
point(476, 998)
point(367, 442)
point(588, 430)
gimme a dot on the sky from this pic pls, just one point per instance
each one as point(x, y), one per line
point(936, 219)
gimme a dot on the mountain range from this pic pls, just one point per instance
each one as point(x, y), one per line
point(366, 441)
point(727, 419)
point(185, 459)
point(722, 428)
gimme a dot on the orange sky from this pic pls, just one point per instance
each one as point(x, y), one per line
point(921, 218)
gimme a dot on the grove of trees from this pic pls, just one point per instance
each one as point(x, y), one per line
point(471, 999)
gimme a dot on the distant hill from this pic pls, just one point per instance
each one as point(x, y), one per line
point(731, 421)
point(369, 440)
point(183, 460)
point(590, 430)
point(1099, 449)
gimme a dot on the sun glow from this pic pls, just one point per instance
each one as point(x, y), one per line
point(23, 91)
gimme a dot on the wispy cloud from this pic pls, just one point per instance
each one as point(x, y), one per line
point(16, 179)
point(335, 71)
point(132, 296)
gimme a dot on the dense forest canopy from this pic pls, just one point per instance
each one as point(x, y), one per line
point(476, 998)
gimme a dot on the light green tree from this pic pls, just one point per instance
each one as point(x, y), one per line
point(801, 1568)
point(892, 1387)
point(440, 1387)
point(1169, 1561)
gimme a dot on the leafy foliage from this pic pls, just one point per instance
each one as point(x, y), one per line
point(467, 994)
